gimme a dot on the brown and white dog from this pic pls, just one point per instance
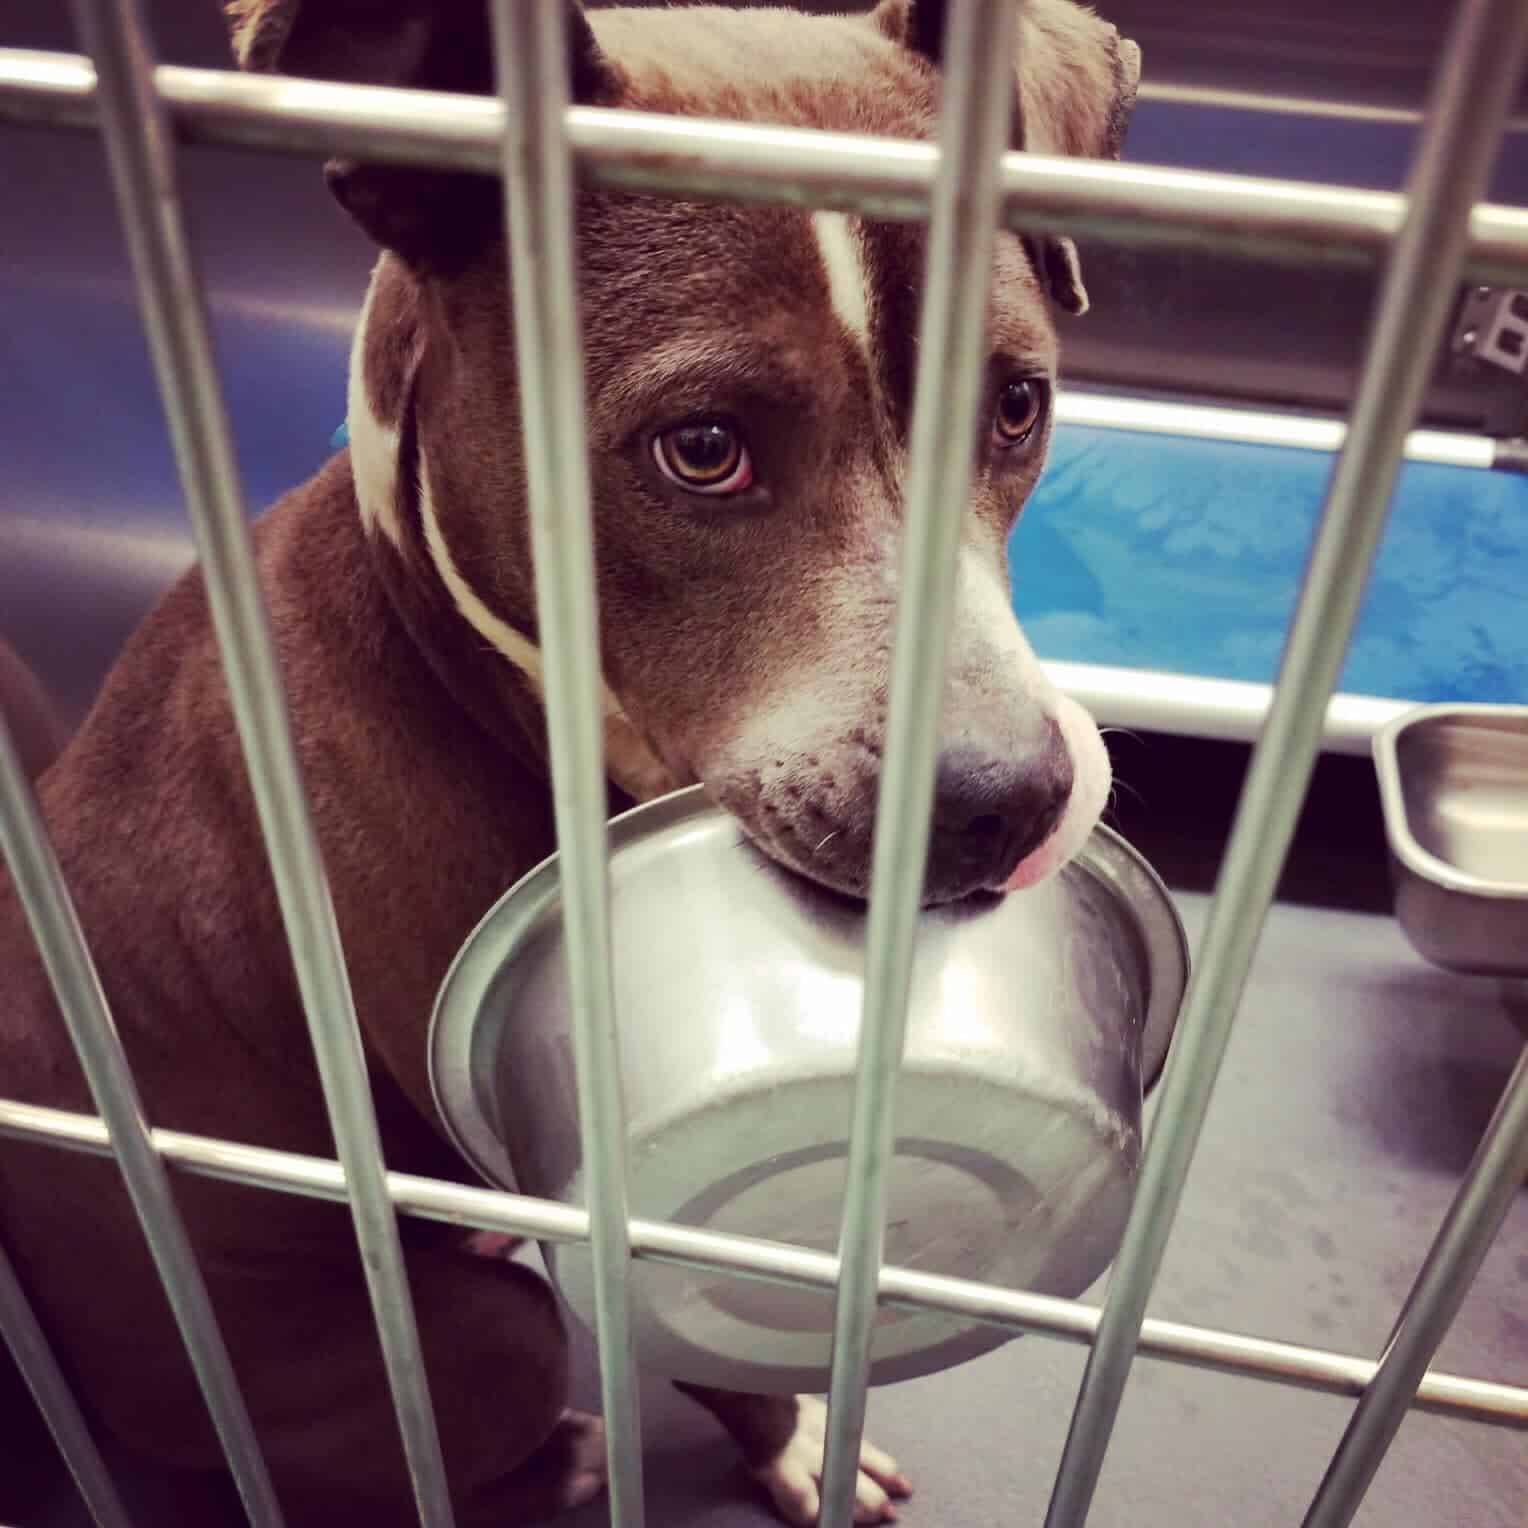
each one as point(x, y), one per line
point(750, 373)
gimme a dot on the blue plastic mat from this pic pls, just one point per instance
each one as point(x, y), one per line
point(1161, 552)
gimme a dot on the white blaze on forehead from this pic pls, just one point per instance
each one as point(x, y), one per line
point(628, 760)
point(373, 440)
point(848, 285)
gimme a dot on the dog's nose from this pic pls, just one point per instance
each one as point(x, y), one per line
point(991, 812)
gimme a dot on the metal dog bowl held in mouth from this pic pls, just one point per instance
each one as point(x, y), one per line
point(1454, 789)
point(1035, 1021)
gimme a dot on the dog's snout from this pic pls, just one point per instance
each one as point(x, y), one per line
point(992, 812)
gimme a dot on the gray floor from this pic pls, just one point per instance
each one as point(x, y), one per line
point(1355, 1088)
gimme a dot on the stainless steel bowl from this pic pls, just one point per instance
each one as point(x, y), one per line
point(1035, 1020)
point(1454, 788)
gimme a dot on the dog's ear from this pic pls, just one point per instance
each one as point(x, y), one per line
point(1076, 84)
point(427, 216)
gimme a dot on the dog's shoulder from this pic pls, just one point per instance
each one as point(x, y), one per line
point(419, 819)
point(150, 813)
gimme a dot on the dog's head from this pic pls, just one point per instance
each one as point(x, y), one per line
point(750, 374)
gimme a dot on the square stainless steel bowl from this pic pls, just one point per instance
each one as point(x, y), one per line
point(1454, 787)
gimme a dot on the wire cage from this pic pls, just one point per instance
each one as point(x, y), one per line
point(1428, 238)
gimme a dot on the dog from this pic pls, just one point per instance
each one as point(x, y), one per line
point(750, 373)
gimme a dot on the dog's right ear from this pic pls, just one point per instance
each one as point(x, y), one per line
point(429, 217)
point(1076, 81)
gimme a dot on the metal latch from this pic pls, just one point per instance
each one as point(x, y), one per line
point(1492, 327)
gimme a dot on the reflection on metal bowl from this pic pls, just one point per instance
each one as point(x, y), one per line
point(1036, 1022)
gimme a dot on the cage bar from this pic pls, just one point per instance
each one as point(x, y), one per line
point(531, 52)
point(1016, 1310)
point(39, 882)
point(23, 1335)
point(1129, 205)
point(140, 154)
point(1490, 1185)
point(976, 117)
point(1472, 94)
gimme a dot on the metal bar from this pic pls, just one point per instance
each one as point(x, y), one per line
point(531, 52)
point(1278, 105)
point(975, 120)
point(39, 883)
point(1475, 1216)
point(1190, 705)
point(1454, 156)
point(50, 1390)
point(1257, 427)
point(141, 157)
point(1293, 221)
point(1015, 1310)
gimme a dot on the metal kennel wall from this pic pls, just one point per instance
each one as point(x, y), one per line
point(1428, 238)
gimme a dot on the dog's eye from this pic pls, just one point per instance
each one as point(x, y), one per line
point(705, 457)
point(1018, 411)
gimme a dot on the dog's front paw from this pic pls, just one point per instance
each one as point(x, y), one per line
point(793, 1477)
point(581, 1439)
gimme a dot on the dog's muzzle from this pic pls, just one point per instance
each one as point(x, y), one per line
point(992, 813)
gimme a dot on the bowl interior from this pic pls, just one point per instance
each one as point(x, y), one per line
point(1463, 797)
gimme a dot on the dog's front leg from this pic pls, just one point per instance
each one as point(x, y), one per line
point(782, 1439)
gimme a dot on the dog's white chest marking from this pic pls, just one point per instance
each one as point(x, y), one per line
point(373, 441)
point(848, 285)
point(374, 469)
point(628, 760)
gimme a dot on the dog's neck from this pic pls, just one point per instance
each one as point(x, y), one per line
point(503, 687)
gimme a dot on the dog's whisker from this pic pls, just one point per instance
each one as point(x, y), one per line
point(1125, 785)
point(825, 842)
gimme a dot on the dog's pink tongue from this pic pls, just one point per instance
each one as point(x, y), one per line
point(1091, 779)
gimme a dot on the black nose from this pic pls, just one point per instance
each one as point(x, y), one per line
point(991, 812)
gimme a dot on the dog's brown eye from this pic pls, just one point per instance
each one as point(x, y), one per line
point(1018, 411)
point(707, 457)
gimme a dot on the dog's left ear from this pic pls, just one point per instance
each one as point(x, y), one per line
point(1076, 80)
point(427, 216)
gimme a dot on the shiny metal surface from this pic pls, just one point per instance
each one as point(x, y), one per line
point(1476, 80)
point(1131, 205)
point(1193, 706)
point(1304, 432)
point(1454, 788)
point(531, 52)
point(141, 159)
point(975, 121)
point(1015, 1311)
point(1035, 1022)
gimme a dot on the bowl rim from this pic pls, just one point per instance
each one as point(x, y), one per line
point(1403, 842)
point(502, 930)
